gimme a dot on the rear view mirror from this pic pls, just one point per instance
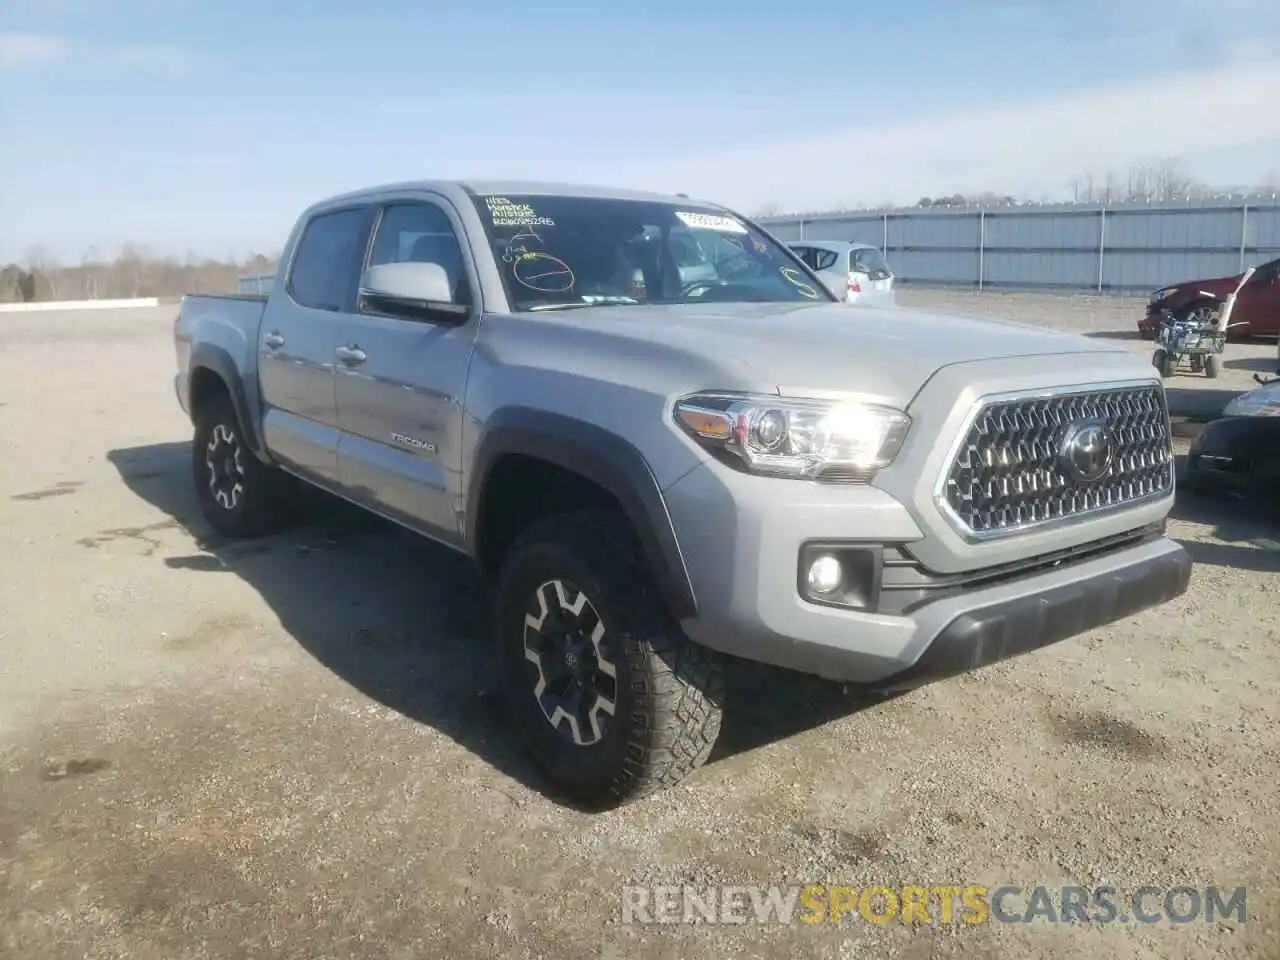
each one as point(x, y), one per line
point(410, 287)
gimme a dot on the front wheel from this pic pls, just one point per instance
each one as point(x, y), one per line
point(1165, 362)
point(1211, 367)
point(611, 699)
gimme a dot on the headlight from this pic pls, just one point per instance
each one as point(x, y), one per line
point(814, 439)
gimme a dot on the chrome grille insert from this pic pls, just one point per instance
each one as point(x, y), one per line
point(1009, 474)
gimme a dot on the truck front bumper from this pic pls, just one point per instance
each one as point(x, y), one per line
point(995, 628)
point(915, 627)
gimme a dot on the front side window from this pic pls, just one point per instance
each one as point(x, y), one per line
point(422, 233)
point(555, 252)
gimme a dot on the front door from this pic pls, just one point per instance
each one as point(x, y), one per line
point(297, 338)
point(400, 382)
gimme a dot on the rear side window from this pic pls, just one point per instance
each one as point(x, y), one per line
point(326, 267)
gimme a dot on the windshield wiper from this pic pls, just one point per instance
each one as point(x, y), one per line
point(580, 304)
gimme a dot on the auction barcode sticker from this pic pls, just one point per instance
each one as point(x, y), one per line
point(707, 221)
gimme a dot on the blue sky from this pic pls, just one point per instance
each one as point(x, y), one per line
point(206, 126)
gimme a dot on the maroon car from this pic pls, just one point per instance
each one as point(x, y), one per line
point(1257, 308)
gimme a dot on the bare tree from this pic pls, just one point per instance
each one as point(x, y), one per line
point(1151, 182)
point(45, 268)
point(128, 267)
point(134, 271)
point(89, 272)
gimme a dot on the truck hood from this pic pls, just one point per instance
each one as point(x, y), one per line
point(832, 349)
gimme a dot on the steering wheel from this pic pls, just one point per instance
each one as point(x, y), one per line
point(687, 289)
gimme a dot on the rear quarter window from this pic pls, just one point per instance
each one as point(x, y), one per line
point(823, 259)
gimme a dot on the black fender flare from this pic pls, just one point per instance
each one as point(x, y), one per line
point(218, 361)
point(605, 459)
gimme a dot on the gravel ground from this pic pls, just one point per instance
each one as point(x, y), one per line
point(287, 748)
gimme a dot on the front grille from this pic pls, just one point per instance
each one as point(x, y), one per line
point(1008, 473)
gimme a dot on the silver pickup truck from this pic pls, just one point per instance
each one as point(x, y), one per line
point(657, 469)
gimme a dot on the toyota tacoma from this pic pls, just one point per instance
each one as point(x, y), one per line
point(657, 469)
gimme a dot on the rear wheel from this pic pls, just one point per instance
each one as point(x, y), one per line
point(1211, 365)
point(1164, 362)
point(609, 696)
point(239, 495)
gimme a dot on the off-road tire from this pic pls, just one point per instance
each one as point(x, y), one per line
point(257, 509)
point(1164, 363)
point(1211, 367)
point(669, 690)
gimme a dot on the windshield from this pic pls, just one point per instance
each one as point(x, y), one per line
point(555, 252)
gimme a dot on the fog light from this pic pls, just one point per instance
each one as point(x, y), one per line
point(825, 575)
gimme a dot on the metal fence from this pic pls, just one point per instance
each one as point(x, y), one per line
point(1122, 247)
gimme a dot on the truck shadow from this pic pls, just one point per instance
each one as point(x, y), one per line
point(1267, 364)
point(1113, 335)
point(404, 621)
point(1199, 405)
point(1245, 530)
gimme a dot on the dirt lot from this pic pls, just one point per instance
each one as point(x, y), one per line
point(287, 748)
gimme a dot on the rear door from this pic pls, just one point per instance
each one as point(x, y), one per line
point(401, 379)
point(297, 337)
point(827, 264)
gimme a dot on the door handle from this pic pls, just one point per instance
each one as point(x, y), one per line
point(273, 340)
point(351, 354)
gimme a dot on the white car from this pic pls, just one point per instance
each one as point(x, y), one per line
point(856, 272)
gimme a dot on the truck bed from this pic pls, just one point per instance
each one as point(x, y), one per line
point(259, 297)
point(224, 325)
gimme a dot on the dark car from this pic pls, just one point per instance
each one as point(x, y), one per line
point(1240, 451)
point(1257, 308)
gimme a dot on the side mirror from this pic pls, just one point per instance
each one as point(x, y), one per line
point(412, 288)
